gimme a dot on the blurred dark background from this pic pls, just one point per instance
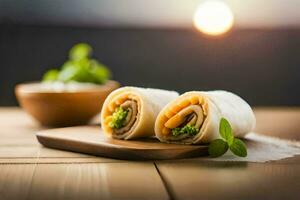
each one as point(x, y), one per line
point(260, 63)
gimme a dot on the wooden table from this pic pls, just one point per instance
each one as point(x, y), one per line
point(30, 171)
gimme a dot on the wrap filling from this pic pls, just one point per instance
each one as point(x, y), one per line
point(186, 123)
point(124, 117)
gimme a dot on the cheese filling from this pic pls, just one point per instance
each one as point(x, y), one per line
point(184, 118)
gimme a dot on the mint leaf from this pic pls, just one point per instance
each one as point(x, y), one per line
point(226, 131)
point(238, 147)
point(217, 148)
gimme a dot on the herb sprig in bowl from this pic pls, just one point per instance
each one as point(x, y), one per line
point(80, 67)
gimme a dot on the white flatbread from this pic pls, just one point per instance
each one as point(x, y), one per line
point(215, 104)
point(149, 103)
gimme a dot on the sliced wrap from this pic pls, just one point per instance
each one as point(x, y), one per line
point(130, 112)
point(202, 112)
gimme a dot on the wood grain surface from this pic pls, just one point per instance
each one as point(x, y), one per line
point(30, 171)
point(81, 181)
point(222, 180)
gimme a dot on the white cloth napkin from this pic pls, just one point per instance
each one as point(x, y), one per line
point(264, 148)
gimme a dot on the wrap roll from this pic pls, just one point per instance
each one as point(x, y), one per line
point(130, 112)
point(194, 117)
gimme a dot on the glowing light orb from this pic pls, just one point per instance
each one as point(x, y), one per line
point(213, 18)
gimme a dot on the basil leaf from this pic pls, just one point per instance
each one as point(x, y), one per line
point(217, 148)
point(238, 147)
point(226, 131)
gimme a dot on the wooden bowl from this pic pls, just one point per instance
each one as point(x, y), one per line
point(67, 108)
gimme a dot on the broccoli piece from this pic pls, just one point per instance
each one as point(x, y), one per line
point(187, 129)
point(118, 118)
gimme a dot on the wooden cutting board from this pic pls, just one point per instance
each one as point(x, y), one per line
point(91, 140)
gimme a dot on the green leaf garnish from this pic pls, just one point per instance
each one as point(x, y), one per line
point(80, 68)
point(118, 118)
point(99, 72)
point(80, 51)
point(187, 129)
point(238, 147)
point(50, 75)
point(226, 131)
point(217, 148)
point(220, 146)
point(75, 71)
